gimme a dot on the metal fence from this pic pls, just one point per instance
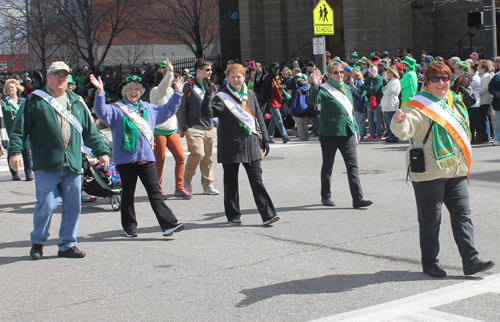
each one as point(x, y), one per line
point(188, 63)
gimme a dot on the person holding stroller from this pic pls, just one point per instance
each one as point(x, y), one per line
point(132, 121)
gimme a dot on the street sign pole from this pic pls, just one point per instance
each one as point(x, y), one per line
point(323, 25)
point(490, 30)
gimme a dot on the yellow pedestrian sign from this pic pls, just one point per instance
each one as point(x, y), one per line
point(323, 19)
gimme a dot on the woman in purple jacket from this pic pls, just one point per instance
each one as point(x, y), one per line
point(132, 122)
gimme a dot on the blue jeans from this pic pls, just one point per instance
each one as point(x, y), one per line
point(497, 125)
point(360, 118)
point(387, 119)
point(276, 120)
point(51, 186)
point(375, 122)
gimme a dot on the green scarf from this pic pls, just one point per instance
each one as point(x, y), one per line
point(340, 86)
point(243, 98)
point(442, 144)
point(130, 130)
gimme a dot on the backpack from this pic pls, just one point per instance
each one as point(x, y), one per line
point(468, 96)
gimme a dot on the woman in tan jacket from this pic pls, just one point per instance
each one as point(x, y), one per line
point(437, 121)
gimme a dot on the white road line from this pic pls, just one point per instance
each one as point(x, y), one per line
point(420, 302)
point(434, 316)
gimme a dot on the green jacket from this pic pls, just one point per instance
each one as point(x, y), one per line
point(409, 85)
point(377, 88)
point(333, 119)
point(38, 119)
point(9, 111)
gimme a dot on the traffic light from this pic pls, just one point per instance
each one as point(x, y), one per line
point(475, 19)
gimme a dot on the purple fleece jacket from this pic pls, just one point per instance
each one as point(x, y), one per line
point(112, 115)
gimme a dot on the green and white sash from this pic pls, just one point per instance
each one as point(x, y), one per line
point(61, 110)
point(140, 122)
point(4, 137)
point(11, 102)
point(343, 100)
point(238, 111)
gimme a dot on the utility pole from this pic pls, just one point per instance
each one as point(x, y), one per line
point(490, 30)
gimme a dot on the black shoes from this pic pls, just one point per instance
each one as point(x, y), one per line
point(234, 222)
point(361, 203)
point(272, 220)
point(30, 177)
point(480, 266)
point(36, 251)
point(271, 140)
point(130, 233)
point(328, 202)
point(286, 139)
point(435, 271)
point(72, 252)
point(16, 178)
point(175, 229)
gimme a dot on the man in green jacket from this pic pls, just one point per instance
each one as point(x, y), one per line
point(338, 130)
point(56, 121)
point(409, 82)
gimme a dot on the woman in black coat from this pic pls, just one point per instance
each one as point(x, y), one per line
point(240, 126)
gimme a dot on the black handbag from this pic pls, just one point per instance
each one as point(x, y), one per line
point(417, 160)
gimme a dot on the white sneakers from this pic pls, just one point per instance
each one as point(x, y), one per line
point(210, 191)
point(496, 143)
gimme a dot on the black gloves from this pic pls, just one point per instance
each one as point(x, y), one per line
point(207, 86)
point(266, 148)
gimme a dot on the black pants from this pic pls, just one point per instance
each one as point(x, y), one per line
point(482, 119)
point(27, 161)
point(149, 178)
point(260, 195)
point(347, 147)
point(430, 196)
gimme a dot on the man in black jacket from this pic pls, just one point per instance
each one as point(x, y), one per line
point(260, 74)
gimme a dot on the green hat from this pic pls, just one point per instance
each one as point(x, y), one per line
point(410, 62)
point(70, 79)
point(134, 79)
point(464, 65)
point(354, 55)
point(336, 58)
point(372, 55)
point(102, 66)
point(164, 64)
point(363, 59)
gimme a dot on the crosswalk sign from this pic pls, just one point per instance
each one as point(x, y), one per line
point(323, 19)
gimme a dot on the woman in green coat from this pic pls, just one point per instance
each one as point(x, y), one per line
point(338, 130)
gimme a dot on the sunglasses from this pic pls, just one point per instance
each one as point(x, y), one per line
point(208, 69)
point(435, 79)
point(337, 72)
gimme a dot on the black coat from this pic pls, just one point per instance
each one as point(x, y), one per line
point(234, 145)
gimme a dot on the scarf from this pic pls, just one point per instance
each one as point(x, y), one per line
point(243, 99)
point(442, 144)
point(130, 130)
point(338, 85)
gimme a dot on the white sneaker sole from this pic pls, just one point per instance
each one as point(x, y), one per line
point(171, 231)
point(272, 220)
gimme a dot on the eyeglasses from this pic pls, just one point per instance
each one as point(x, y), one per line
point(335, 72)
point(435, 79)
point(60, 75)
point(208, 69)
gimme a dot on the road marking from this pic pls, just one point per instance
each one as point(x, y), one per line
point(420, 302)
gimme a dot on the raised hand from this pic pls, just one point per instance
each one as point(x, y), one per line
point(207, 86)
point(97, 83)
point(170, 66)
point(178, 83)
point(399, 116)
point(316, 78)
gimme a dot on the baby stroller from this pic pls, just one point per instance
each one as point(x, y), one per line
point(98, 183)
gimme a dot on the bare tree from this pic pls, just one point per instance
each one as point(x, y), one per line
point(90, 27)
point(195, 23)
point(13, 45)
point(35, 21)
point(131, 48)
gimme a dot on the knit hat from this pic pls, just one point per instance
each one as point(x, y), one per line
point(373, 70)
point(348, 69)
point(354, 55)
point(310, 64)
point(429, 59)
point(164, 64)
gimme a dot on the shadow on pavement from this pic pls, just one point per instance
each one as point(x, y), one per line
point(333, 284)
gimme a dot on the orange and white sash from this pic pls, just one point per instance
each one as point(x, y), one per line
point(432, 109)
point(238, 111)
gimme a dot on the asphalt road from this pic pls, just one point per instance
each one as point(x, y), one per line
point(316, 263)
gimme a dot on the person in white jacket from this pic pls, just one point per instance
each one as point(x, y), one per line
point(390, 101)
point(166, 133)
point(474, 111)
point(485, 70)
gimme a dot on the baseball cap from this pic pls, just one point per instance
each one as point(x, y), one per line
point(474, 54)
point(57, 66)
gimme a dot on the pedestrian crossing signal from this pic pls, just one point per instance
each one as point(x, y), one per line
point(323, 19)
